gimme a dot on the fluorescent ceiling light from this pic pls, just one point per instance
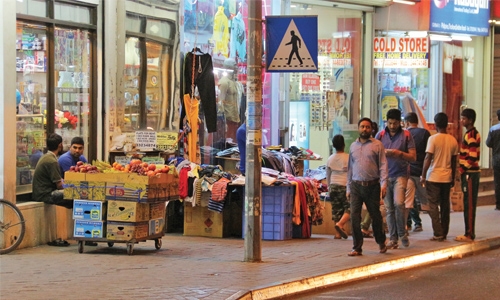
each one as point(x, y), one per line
point(461, 37)
point(417, 33)
point(439, 37)
point(404, 2)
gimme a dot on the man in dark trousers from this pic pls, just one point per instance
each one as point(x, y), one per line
point(366, 183)
point(413, 187)
point(47, 179)
point(469, 172)
point(438, 176)
point(493, 141)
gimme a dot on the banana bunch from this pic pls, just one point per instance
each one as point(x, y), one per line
point(102, 166)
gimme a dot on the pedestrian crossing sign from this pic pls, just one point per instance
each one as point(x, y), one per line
point(292, 43)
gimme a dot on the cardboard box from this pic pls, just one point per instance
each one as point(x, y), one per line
point(199, 221)
point(127, 211)
point(120, 231)
point(157, 210)
point(78, 186)
point(89, 229)
point(457, 201)
point(139, 188)
point(89, 210)
point(156, 226)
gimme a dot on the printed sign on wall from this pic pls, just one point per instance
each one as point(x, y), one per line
point(401, 52)
point(460, 16)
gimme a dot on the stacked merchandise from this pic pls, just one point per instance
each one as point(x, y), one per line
point(119, 206)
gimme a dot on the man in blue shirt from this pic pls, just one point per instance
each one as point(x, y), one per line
point(400, 150)
point(493, 141)
point(366, 183)
point(73, 155)
point(241, 138)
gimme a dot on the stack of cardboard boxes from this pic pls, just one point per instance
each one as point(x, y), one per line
point(119, 206)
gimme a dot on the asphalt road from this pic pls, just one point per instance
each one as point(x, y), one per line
point(473, 277)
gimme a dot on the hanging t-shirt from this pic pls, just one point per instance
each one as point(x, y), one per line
point(221, 33)
point(238, 38)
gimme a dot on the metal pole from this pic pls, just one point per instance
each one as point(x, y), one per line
point(253, 190)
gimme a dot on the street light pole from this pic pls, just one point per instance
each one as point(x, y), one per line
point(253, 190)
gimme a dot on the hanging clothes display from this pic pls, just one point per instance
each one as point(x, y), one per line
point(190, 128)
point(204, 80)
point(221, 33)
point(238, 45)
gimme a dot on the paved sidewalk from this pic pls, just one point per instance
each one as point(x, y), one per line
point(209, 268)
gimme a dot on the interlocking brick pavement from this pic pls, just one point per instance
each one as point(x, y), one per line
point(203, 268)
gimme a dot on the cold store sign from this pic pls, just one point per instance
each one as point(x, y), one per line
point(460, 16)
point(338, 50)
point(401, 52)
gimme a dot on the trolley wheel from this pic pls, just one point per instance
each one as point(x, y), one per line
point(80, 246)
point(110, 244)
point(158, 244)
point(130, 249)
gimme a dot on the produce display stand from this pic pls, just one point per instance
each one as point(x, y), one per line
point(119, 207)
point(130, 243)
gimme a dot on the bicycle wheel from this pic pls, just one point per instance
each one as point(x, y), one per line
point(12, 227)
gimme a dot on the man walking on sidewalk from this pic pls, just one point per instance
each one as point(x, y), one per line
point(438, 176)
point(366, 183)
point(399, 149)
point(470, 172)
point(493, 141)
point(420, 136)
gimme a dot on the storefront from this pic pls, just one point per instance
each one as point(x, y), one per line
point(429, 66)
point(81, 70)
point(298, 109)
point(56, 86)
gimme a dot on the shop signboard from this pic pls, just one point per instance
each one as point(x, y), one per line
point(460, 16)
point(338, 49)
point(292, 43)
point(310, 82)
point(401, 52)
point(166, 140)
point(145, 140)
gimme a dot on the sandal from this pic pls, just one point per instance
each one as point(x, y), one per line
point(463, 238)
point(367, 235)
point(58, 243)
point(341, 231)
point(354, 253)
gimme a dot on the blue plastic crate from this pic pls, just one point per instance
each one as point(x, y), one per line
point(277, 199)
point(277, 226)
point(274, 226)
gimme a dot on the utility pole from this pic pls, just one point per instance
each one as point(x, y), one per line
point(253, 189)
